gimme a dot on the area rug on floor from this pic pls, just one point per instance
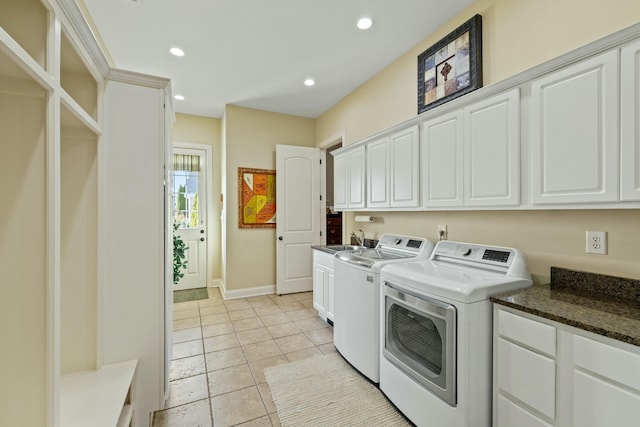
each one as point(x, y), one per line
point(190, 295)
point(327, 391)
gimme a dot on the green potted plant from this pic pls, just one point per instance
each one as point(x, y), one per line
point(179, 256)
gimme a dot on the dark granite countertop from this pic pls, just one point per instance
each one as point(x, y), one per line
point(604, 305)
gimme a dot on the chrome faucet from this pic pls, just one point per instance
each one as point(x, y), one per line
point(359, 239)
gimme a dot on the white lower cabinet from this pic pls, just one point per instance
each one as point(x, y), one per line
point(606, 385)
point(525, 371)
point(511, 414)
point(323, 284)
point(528, 377)
point(589, 381)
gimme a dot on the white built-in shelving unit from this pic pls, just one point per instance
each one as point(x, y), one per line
point(65, 361)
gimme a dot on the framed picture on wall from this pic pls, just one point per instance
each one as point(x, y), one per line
point(452, 67)
point(256, 198)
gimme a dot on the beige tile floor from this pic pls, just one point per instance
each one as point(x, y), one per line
point(221, 349)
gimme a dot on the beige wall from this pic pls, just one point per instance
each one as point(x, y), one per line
point(24, 267)
point(78, 251)
point(250, 138)
point(516, 36)
point(207, 131)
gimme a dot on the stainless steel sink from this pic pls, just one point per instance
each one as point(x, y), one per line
point(332, 249)
point(339, 248)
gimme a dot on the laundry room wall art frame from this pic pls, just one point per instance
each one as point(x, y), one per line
point(452, 67)
point(256, 198)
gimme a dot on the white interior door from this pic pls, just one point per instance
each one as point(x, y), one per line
point(298, 216)
point(189, 201)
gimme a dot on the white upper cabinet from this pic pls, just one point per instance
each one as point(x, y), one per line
point(471, 156)
point(630, 122)
point(492, 151)
point(378, 173)
point(441, 159)
point(575, 133)
point(405, 167)
point(563, 135)
point(349, 179)
point(340, 182)
point(357, 178)
point(393, 170)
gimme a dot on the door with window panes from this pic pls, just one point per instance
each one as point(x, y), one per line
point(188, 198)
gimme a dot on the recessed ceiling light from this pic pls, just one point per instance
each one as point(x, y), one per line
point(176, 51)
point(309, 82)
point(365, 23)
point(179, 97)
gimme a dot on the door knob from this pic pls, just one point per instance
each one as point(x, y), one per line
point(202, 239)
point(279, 237)
point(202, 231)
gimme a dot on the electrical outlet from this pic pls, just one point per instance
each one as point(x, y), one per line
point(597, 242)
point(442, 232)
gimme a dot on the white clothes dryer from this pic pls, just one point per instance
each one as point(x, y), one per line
point(436, 325)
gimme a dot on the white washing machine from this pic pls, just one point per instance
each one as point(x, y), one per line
point(356, 315)
point(436, 325)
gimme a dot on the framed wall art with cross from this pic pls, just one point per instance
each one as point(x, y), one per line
point(452, 67)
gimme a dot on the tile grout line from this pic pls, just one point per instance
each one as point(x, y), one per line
point(255, 380)
point(206, 369)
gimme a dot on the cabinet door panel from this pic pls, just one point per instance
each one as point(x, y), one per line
point(630, 123)
point(511, 415)
point(340, 182)
point(575, 133)
point(492, 151)
point(610, 362)
point(597, 403)
point(405, 168)
point(534, 334)
point(356, 180)
point(378, 174)
point(528, 376)
point(319, 290)
point(329, 295)
point(441, 155)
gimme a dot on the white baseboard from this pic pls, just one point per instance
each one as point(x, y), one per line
point(215, 283)
point(247, 292)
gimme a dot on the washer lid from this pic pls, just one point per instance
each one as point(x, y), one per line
point(390, 248)
point(455, 282)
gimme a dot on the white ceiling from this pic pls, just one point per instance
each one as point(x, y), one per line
point(257, 53)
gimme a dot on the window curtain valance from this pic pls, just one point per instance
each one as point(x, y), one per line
point(186, 162)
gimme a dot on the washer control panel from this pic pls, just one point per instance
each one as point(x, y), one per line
point(417, 246)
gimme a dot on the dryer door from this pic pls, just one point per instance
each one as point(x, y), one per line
point(420, 339)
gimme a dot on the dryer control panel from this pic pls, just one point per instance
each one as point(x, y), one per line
point(490, 256)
